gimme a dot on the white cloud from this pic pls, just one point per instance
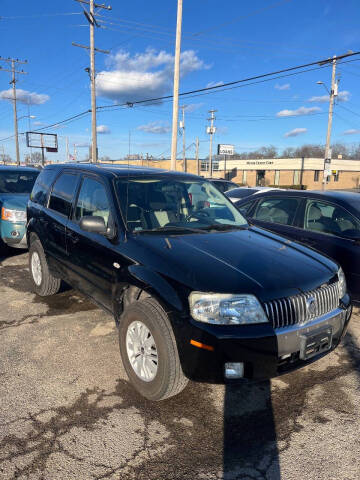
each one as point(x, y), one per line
point(143, 75)
point(295, 132)
point(352, 131)
point(38, 124)
point(299, 111)
point(193, 106)
point(102, 129)
point(285, 86)
point(24, 96)
point(343, 96)
point(214, 84)
point(155, 127)
point(82, 145)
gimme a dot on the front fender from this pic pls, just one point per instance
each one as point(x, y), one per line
point(152, 282)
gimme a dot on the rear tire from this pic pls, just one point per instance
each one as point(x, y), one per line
point(43, 282)
point(149, 352)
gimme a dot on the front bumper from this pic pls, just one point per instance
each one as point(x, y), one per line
point(265, 352)
point(14, 234)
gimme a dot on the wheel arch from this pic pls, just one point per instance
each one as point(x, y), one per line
point(146, 283)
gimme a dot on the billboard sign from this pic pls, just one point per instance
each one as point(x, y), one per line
point(225, 149)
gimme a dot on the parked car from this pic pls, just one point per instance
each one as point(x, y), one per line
point(222, 184)
point(327, 221)
point(16, 184)
point(195, 291)
point(236, 194)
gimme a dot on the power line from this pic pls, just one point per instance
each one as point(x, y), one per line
point(236, 82)
point(39, 15)
point(202, 91)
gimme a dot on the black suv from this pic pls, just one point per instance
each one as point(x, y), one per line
point(195, 291)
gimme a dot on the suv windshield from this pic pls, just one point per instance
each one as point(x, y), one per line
point(17, 182)
point(172, 203)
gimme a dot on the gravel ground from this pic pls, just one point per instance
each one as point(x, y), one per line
point(68, 412)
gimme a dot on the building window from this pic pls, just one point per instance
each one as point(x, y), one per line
point(277, 177)
point(244, 176)
point(215, 165)
point(296, 177)
point(336, 176)
point(204, 166)
point(316, 175)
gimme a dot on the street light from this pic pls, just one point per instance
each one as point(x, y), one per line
point(26, 116)
point(322, 83)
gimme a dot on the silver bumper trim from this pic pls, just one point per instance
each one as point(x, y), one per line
point(289, 338)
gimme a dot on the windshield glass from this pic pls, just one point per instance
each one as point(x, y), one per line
point(155, 204)
point(17, 182)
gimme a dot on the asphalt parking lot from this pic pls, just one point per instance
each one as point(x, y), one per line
point(68, 412)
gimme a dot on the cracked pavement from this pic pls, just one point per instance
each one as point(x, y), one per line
point(68, 412)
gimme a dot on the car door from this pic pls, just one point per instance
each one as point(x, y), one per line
point(277, 214)
point(91, 255)
point(325, 228)
point(55, 218)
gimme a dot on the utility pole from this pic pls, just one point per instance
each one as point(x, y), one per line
point(90, 16)
point(197, 155)
point(176, 86)
point(182, 126)
point(211, 130)
point(333, 94)
point(12, 62)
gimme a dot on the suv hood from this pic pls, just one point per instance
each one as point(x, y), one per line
point(16, 201)
point(239, 261)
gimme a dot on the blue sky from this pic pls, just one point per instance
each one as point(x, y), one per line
point(222, 42)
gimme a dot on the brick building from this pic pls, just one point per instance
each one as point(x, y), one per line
point(273, 171)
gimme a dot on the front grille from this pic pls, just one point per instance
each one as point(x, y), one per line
point(293, 310)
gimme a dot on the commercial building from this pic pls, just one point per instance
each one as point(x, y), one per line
point(292, 171)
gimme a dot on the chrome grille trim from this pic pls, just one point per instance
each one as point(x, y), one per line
point(283, 312)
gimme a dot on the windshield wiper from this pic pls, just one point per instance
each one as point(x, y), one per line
point(170, 228)
point(223, 227)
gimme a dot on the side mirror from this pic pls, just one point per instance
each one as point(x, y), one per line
point(93, 224)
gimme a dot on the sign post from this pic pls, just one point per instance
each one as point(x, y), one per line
point(225, 150)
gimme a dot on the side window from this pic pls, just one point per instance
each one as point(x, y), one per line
point(245, 207)
point(277, 210)
point(92, 200)
point(42, 186)
point(63, 193)
point(328, 218)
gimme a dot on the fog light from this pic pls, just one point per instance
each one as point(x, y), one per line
point(234, 370)
point(15, 233)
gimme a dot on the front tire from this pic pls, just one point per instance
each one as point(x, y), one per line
point(42, 281)
point(149, 352)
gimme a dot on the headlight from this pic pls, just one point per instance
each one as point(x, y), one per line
point(342, 283)
point(226, 309)
point(13, 215)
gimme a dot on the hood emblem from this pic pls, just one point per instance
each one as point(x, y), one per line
point(311, 305)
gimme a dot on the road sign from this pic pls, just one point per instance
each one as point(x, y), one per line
point(225, 149)
point(42, 140)
point(327, 167)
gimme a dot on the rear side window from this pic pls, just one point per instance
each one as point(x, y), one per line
point(42, 186)
point(331, 219)
point(277, 210)
point(63, 193)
